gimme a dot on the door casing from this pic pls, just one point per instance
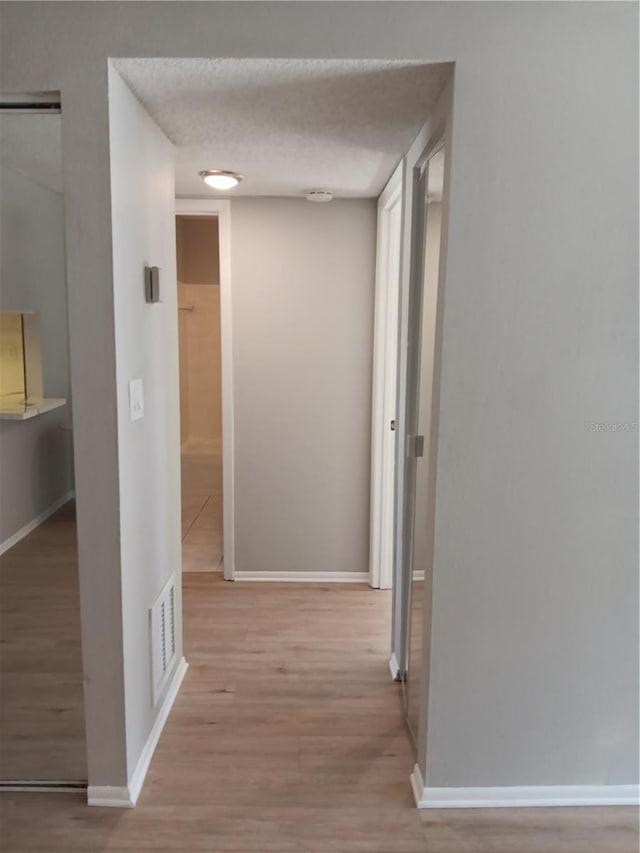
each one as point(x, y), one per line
point(222, 210)
point(437, 129)
point(385, 374)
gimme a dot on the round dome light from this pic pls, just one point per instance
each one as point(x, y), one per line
point(219, 179)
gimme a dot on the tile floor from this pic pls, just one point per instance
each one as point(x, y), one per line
point(201, 512)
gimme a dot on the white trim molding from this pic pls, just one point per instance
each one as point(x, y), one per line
point(35, 522)
point(304, 577)
point(111, 797)
point(127, 796)
point(385, 372)
point(137, 779)
point(222, 209)
point(517, 796)
point(394, 667)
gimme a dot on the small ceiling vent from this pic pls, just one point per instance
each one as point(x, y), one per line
point(163, 638)
point(319, 195)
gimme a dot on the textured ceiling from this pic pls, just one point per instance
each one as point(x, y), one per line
point(287, 125)
point(31, 145)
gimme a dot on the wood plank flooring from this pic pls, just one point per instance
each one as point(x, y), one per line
point(41, 694)
point(287, 737)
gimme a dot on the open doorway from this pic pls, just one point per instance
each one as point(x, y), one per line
point(200, 354)
point(311, 632)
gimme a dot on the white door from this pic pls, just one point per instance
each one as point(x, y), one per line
point(385, 370)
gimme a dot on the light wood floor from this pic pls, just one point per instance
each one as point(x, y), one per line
point(201, 512)
point(287, 737)
point(41, 697)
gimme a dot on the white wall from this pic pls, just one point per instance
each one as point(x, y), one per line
point(303, 290)
point(35, 456)
point(535, 622)
point(142, 206)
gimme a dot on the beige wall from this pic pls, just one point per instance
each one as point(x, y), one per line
point(198, 249)
point(199, 333)
point(302, 290)
point(200, 369)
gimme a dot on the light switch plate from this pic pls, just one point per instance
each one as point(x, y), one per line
point(136, 400)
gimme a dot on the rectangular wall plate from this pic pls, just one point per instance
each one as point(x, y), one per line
point(136, 400)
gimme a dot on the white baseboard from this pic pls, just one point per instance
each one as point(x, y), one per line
point(522, 796)
point(137, 779)
point(127, 796)
point(109, 797)
point(394, 667)
point(209, 570)
point(35, 522)
point(303, 577)
point(417, 786)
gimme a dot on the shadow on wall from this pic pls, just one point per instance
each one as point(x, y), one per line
point(51, 463)
point(36, 460)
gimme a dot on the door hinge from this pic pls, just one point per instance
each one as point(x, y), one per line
point(393, 426)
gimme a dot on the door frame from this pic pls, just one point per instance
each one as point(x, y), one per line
point(384, 391)
point(221, 208)
point(416, 340)
point(438, 126)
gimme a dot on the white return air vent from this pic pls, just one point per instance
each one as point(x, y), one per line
point(163, 638)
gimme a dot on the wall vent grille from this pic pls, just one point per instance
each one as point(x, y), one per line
point(163, 638)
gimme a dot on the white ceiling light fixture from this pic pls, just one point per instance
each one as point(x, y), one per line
point(319, 196)
point(220, 179)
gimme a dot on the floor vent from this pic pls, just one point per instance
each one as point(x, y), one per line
point(163, 638)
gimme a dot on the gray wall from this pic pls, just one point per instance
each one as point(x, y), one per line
point(534, 656)
point(302, 290)
point(35, 456)
point(535, 622)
